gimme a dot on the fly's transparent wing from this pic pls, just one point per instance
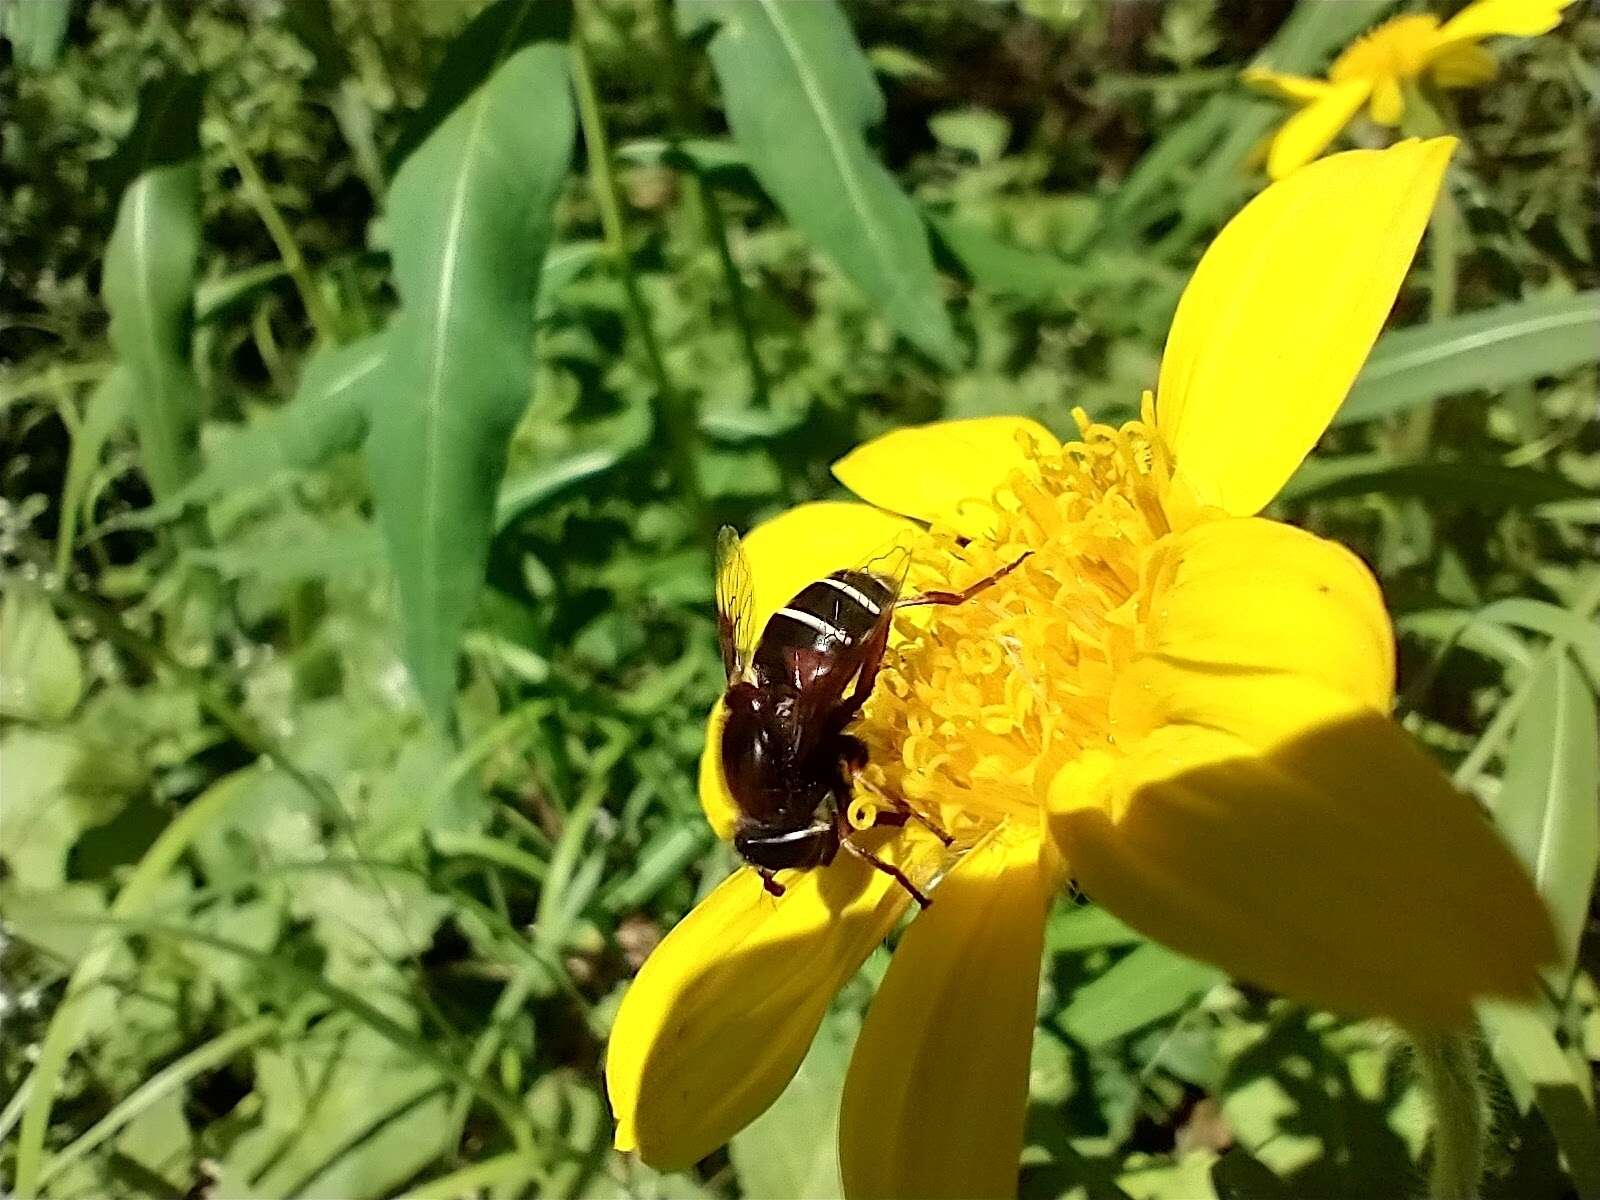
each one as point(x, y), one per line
point(890, 567)
point(735, 603)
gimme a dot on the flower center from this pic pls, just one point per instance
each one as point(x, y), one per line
point(1396, 49)
point(978, 705)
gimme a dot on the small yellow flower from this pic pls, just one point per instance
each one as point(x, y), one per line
point(1175, 702)
point(1373, 68)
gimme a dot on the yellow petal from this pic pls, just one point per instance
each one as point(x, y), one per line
point(1513, 18)
point(722, 1012)
point(1286, 87)
point(1247, 594)
point(1464, 65)
point(1388, 104)
point(715, 799)
point(946, 471)
point(1281, 313)
point(938, 1085)
point(1308, 133)
point(1305, 843)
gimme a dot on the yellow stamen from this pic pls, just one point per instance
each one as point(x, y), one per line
point(980, 704)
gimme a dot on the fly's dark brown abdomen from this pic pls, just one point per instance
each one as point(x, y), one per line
point(824, 629)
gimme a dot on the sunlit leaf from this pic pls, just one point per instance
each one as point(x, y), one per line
point(791, 1150)
point(469, 220)
point(41, 678)
point(1488, 350)
point(1547, 805)
point(36, 30)
point(800, 97)
point(1152, 982)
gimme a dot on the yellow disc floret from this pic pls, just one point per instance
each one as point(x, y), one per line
point(978, 705)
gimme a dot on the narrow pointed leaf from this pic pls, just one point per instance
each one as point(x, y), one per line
point(800, 97)
point(149, 280)
point(469, 217)
point(1482, 350)
point(1547, 806)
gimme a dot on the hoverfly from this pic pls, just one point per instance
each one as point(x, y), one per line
point(787, 752)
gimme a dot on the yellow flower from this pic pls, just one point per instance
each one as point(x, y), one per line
point(1373, 68)
point(1175, 702)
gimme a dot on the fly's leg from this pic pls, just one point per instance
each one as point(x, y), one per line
point(888, 869)
point(961, 597)
point(769, 883)
point(877, 863)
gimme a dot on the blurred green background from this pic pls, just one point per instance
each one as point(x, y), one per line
point(278, 921)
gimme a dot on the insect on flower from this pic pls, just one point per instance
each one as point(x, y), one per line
point(787, 751)
point(1177, 703)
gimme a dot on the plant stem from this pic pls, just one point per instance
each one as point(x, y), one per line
point(1448, 1067)
point(294, 262)
point(705, 199)
point(674, 413)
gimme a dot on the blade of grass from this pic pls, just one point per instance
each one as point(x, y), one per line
point(304, 979)
point(515, 1170)
point(205, 1057)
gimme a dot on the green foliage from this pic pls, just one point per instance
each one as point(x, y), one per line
point(1513, 343)
point(800, 96)
point(355, 640)
point(149, 279)
point(468, 219)
point(1547, 801)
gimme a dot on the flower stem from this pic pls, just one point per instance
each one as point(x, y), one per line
point(1448, 1067)
point(675, 417)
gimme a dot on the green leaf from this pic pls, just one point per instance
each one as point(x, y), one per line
point(1086, 927)
point(1483, 350)
point(44, 812)
point(1547, 802)
point(345, 1112)
point(327, 416)
point(36, 30)
point(1002, 267)
point(469, 221)
point(1561, 624)
point(981, 132)
point(800, 96)
point(149, 280)
point(791, 1150)
point(1536, 1071)
point(41, 678)
point(103, 416)
point(1149, 984)
point(1487, 484)
point(528, 489)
